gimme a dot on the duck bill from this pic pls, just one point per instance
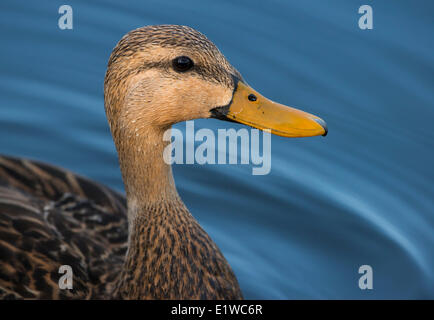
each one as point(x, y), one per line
point(251, 108)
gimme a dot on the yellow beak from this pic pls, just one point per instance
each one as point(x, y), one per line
point(251, 108)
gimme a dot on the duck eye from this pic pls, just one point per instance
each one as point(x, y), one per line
point(182, 64)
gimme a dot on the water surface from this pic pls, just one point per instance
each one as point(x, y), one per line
point(362, 195)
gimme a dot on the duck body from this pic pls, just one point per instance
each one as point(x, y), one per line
point(50, 217)
point(146, 245)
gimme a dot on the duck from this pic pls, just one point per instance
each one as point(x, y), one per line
point(144, 244)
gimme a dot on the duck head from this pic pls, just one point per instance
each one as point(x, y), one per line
point(160, 75)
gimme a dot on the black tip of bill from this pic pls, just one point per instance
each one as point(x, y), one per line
point(324, 125)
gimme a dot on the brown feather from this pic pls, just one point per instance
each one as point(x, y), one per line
point(51, 217)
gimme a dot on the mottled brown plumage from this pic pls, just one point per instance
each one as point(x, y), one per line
point(50, 217)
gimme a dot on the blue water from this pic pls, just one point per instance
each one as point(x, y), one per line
point(362, 195)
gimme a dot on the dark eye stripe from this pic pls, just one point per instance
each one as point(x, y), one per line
point(211, 72)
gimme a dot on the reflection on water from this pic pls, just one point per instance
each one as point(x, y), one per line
point(362, 195)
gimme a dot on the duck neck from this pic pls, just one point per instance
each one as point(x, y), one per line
point(169, 255)
point(147, 177)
